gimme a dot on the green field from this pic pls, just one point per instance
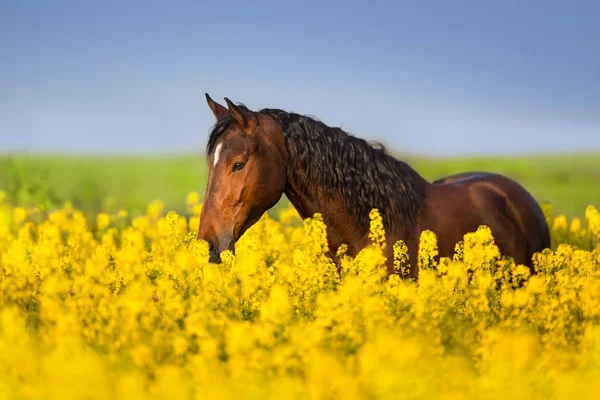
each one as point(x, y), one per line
point(108, 183)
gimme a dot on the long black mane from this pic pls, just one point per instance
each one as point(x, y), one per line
point(362, 173)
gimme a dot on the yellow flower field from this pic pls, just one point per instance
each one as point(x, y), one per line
point(132, 309)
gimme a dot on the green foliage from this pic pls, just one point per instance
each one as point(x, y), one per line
point(101, 183)
point(108, 183)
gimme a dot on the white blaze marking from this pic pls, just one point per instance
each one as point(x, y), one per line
point(216, 156)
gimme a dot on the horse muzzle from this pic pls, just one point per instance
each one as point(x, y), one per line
point(215, 250)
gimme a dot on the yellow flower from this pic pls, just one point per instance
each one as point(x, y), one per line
point(155, 209)
point(197, 209)
point(575, 225)
point(276, 308)
point(428, 250)
point(376, 230)
point(19, 215)
point(560, 223)
point(479, 248)
point(180, 345)
point(192, 198)
point(194, 223)
point(592, 215)
point(401, 257)
point(137, 307)
point(102, 221)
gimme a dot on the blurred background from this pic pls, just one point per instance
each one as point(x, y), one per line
point(102, 103)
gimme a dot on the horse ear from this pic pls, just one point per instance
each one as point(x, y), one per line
point(217, 109)
point(246, 119)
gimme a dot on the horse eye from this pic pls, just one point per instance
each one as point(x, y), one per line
point(238, 166)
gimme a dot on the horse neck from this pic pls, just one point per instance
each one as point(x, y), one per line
point(309, 201)
point(309, 198)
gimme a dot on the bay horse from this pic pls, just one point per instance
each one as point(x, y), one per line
point(255, 157)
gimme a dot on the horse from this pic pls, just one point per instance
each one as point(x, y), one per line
point(255, 157)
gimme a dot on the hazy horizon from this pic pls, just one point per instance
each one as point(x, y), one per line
point(424, 79)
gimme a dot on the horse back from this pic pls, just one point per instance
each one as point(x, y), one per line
point(458, 204)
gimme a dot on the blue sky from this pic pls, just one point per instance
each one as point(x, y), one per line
point(466, 77)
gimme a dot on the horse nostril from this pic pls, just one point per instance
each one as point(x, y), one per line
point(232, 246)
point(213, 253)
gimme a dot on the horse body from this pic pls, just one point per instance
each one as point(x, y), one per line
point(453, 206)
point(265, 154)
point(460, 204)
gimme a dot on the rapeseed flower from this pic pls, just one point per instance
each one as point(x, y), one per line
point(132, 308)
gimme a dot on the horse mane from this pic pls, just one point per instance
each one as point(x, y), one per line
point(338, 163)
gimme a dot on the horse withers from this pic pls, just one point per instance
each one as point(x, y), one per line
point(255, 157)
